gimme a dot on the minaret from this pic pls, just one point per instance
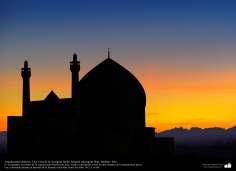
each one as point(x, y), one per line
point(75, 67)
point(26, 73)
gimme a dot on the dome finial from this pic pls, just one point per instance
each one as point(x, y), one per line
point(108, 53)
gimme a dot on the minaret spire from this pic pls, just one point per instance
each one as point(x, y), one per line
point(26, 73)
point(108, 53)
point(75, 68)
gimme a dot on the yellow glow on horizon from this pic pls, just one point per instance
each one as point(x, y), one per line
point(188, 109)
point(166, 110)
point(202, 100)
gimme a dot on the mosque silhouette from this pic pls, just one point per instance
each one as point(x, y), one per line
point(103, 118)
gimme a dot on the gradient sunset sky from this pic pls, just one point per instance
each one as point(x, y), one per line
point(182, 51)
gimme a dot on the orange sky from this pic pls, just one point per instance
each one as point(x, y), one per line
point(173, 100)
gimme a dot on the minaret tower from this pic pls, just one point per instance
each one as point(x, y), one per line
point(26, 73)
point(75, 68)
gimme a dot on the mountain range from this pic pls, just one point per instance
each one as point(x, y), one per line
point(197, 135)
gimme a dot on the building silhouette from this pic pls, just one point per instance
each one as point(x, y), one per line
point(103, 118)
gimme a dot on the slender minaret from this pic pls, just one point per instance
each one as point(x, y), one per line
point(75, 67)
point(26, 73)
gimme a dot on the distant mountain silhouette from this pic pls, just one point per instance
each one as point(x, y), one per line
point(197, 135)
point(3, 142)
point(209, 144)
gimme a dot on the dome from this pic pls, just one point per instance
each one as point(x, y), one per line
point(113, 96)
point(114, 76)
point(112, 108)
